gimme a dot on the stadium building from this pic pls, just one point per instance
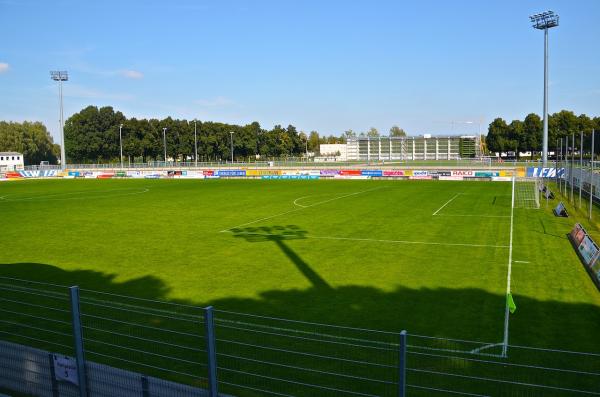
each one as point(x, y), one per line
point(11, 161)
point(425, 147)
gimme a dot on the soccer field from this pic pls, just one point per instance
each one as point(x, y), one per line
point(431, 257)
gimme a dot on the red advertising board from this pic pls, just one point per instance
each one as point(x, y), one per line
point(351, 172)
point(208, 172)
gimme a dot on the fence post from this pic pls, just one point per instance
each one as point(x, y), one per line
point(78, 340)
point(211, 351)
point(402, 365)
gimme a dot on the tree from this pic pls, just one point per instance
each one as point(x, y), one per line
point(30, 138)
point(498, 138)
point(313, 141)
point(397, 131)
point(531, 138)
point(373, 133)
point(349, 134)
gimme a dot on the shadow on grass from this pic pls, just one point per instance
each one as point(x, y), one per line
point(279, 235)
point(465, 313)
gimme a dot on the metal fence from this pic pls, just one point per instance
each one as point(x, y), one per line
point(251, 355)
point(485, 162)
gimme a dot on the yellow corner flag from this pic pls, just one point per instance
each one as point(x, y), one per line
point(511, 303)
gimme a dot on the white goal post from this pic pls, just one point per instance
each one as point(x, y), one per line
point(527, 192)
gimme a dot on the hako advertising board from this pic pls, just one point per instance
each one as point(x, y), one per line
point(463, 173)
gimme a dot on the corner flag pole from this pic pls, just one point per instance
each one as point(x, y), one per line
point(508, 292)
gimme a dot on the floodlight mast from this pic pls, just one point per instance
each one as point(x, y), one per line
point(61, 76)
point(544, 21)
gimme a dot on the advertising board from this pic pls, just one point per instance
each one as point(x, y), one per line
point(463, 173)
point(588, 250)
point(371, 172)
point(262, 172)
point(486, 174)
point(450, 178)
point(350, 172)
point(394, 173)
point(329, 172)
point(420, 174)
point(545, 172)
point(230, 173)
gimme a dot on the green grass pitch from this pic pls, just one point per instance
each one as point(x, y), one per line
point(358, 253)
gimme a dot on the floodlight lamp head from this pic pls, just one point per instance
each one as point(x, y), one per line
point(57, 75)
point(544, 20)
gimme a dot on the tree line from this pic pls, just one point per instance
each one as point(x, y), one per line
point(92, 136)
point(526, 135)
point(32, 139)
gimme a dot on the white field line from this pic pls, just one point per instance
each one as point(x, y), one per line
point(446, 203)
point(521, 262)
point(296, 201)
point(373, 240)
point(479, 349)
point(475, 215)
point(301, 208)
point(508, 273)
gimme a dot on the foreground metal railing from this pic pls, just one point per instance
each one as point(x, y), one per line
point(137, 341)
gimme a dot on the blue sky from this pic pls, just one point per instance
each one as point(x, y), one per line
point(319, 65)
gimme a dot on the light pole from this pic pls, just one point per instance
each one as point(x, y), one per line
point(231, 132)
point(61, 76)
point(544, 21)
point(165, 143)
point(195, 145)
point(121, 142)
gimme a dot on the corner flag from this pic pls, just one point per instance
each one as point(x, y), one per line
point(511, 303)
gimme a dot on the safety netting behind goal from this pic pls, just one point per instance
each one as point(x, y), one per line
point(527, 193)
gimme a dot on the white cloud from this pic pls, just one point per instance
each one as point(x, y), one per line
point(215, 102)
point(132, 74)
point(3, 67)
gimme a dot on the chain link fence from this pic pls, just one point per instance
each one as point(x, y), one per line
point(142, 347)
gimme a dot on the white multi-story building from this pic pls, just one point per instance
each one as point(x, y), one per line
point(11, 161)
point(424, 147)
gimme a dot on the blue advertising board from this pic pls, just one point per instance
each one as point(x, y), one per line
point(371, 172)
point(230, 173)
point(545, 172)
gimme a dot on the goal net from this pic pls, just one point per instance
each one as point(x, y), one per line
point(526, 193)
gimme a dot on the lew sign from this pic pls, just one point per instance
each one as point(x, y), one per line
point(545, 172)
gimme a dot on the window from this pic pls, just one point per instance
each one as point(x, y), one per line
point(13, 157)
point(18, 158)
point(2, 158)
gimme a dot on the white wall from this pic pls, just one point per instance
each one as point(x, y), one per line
point(330, 150)
point(11, 161)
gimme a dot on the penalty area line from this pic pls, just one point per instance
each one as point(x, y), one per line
point(445, 204)
point(373, 240)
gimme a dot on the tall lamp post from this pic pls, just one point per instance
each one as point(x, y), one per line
point(544, 21)
point(231, 132)
point(195, 145)
point(61, 76)
point(165, 143)
point(121, 142)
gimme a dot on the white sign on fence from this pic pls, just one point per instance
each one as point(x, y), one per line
point(65, 369)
